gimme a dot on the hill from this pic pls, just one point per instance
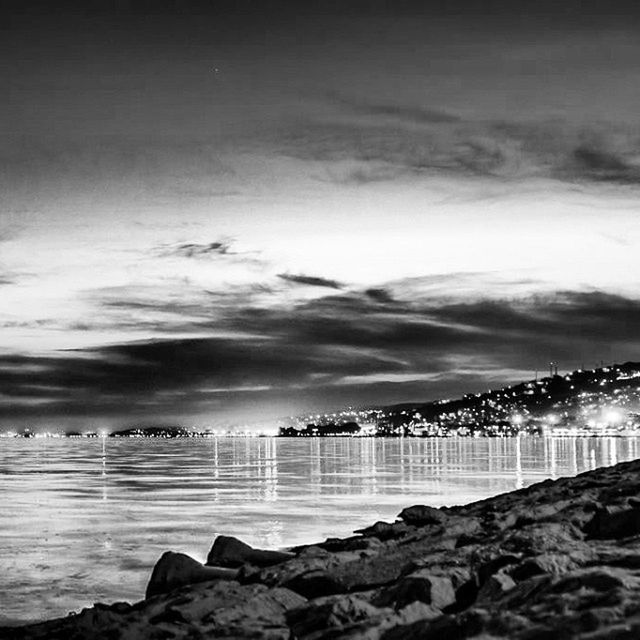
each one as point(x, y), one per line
point(603, 399)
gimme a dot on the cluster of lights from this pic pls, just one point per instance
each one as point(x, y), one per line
point(609, 403)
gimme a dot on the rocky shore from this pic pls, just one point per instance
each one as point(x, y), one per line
point(555, 561)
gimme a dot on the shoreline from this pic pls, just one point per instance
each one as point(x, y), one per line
point(557, 559)
point(582, 433)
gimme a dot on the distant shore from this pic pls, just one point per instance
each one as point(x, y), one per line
point(167, 434)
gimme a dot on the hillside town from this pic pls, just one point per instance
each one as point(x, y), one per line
point(601, 401)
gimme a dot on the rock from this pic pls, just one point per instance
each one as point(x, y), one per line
point(118, 607)
point(368, 572)
point(541, 512)
point(386, 531)
point(493, 565)
point(468, 625)
point(313, 551)
point(467, 539)
point(539, 538)
point(616, 557)
point(175, 570)
point(353, 543)
point(331, 613)
point(496, 586)
point(222, 609)
point(601, 579)
point(231, 610)
point(374, 628)
point(526, 592)
point(607, 524)
point(315, 584)
point(421, 515)
point(412, 613)
point(279, 574)
point(421, 586)
point(549, 563)
point(228, 551)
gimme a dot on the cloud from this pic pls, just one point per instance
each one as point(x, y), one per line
point(379, 295)
point(374, 347)
point(380, 148)
point(311, 281)
point(605, 165)
point(195, 250)
point(223, 248)
point(404, 113)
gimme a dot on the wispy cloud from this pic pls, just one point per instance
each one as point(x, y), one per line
point(379, 294)
point(223, 248)
point(195, 250)
point(601, 164)
point(311, 281)
point(404, 113)
point(380, 147)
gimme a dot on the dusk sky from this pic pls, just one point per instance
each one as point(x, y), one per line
point(217, 211)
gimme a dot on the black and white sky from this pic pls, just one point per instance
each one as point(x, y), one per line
point(239, 210)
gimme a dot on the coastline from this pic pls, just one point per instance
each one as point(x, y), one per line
point(558, 559)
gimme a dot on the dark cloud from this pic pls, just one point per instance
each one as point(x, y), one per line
point(376, 149)
point(327, 350)
point(194, 250)
point(404, 113)
point(607, 166)
point(379, 295)
point(223, 248)
point(312, 281)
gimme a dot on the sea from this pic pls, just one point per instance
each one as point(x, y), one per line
point(84, 520)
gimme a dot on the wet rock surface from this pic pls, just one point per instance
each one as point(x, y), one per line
point(557, 560)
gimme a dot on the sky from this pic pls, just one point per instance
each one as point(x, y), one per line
point(226, 212)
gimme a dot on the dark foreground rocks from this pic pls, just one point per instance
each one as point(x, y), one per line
point(558, 560)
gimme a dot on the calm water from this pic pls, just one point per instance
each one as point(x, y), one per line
point(85, 520)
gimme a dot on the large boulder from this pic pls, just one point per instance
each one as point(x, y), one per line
point(228, 551)
point(421, 515)
point(175, 570)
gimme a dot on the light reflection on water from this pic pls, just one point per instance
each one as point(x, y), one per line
point(85, 520)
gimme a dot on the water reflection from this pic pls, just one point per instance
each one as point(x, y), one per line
point(85, 520)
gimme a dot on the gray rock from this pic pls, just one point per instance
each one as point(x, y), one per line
point(314, 584)
point(222, 609)
point(175, 570)
point(421, 586)
point(386, 531)
point(548, 563)
point(228, 551)
point(607, 524)
point(496, 586)
point(421, 515)
point(331, 613)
